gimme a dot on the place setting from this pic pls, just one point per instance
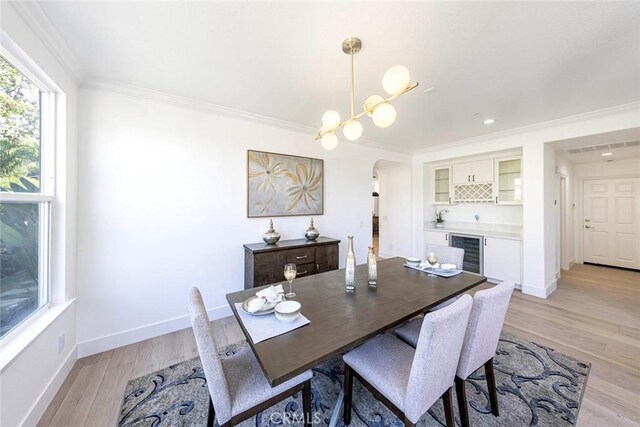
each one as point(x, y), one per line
point(271, 312)
point(432, 267)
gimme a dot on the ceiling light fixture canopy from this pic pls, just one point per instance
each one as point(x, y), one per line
point(396, 82)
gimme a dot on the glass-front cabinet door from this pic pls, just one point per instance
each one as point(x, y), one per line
point(442, 185)
point(508, 189)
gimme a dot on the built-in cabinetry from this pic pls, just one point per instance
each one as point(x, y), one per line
point(436, 238)
point(264, 264)
point(469, 172)
point(497, 180)
point(442, 185)
point(503, 259)
point(508, 181)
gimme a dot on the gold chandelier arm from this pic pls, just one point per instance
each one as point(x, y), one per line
point(352, 85)
point(373, 107)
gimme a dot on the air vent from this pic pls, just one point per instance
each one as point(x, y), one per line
point(603, 147)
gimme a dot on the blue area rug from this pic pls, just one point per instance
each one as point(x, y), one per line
point(537, 386)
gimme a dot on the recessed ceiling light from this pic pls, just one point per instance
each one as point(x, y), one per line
point(607, 154)
point(489, 121)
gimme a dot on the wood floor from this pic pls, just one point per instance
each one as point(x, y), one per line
point(594, 315)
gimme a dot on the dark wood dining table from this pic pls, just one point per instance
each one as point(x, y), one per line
point(341, 320)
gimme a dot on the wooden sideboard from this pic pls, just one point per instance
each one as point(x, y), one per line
point(264, 264)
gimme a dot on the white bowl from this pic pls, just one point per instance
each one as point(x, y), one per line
point(288, 311)
point(414, 262)
point(447, 267)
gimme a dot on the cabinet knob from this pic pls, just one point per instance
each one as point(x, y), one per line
point(473, 178)
point(587, 226)
point(468, 178)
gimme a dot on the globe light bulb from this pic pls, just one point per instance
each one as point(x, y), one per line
point(396, 79)
point(352, 130)
point(370, 102)
point(329, 141)
point(384, 115)
point(331, 119)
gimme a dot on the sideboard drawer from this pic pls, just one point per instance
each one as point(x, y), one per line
point(305, 269)
point(301, 256)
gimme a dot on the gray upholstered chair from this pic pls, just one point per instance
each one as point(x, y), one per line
point(446, 255)
point(480, 341)
point(410, 381)
point(238, 388)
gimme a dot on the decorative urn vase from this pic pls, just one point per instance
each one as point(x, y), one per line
point(312, 233)
point(372, 265)
point(440, 224)
point(271, 237)
point(350, 270)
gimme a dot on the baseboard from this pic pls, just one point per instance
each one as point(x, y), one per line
point(538, 292)
point(109, 342)
point(42, 402)
point(385, 255)
point(572, 262)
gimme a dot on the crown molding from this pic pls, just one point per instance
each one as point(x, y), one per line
point(38, 21)
point(618, 109)
point(212, 108)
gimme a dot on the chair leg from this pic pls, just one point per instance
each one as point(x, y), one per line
point(212, 415)
point(348, 390)
point(448, 408)
point(306, 403)
point(462, 402)
point(491, 386)
point(408, 423)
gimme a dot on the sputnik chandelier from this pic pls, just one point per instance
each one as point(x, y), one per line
point(396, 81)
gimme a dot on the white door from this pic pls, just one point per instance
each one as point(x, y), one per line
point(482, 171)
point(502, 259)
point(462, 173)
point(611, 222)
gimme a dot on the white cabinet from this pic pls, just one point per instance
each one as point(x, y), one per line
point(508, 188)
point(436, 237)
point(441, 194)
point(503, 259)
point(470, 172)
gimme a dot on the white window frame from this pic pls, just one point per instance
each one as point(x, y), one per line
point(45, 198)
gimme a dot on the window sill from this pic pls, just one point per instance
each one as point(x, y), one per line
point(18, 344)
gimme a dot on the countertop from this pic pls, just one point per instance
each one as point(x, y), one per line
point(486, 230)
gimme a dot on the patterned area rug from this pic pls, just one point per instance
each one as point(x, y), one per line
point(536, 386)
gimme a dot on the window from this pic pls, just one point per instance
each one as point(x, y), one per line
point(26, 193)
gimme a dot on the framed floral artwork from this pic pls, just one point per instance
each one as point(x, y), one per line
point(283, 185)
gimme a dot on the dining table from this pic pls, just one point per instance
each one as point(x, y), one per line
point(341, 320)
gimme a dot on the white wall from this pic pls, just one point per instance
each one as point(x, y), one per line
point(30, 380)
point(539, 275)
point(162, 193)
point(582, 171)
point(395, 209)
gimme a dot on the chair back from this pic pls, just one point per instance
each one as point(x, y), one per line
point(211, 363)
point(484, 327)
point(446, 254)
point(436, 357)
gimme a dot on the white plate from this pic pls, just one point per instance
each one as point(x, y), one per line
point(268, 308)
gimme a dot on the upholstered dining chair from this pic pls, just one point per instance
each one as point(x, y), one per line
point(237, 386)
point(410, 381)
point(480, 342)
point(446, 255)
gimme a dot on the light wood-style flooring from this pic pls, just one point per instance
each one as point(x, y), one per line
point(594, 315)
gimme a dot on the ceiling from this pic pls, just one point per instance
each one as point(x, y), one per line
point(622, 144)
point(521, 62)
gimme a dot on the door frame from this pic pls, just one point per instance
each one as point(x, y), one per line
point(562, 224)
point(578, 220)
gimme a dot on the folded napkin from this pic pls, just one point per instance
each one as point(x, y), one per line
point(271, 295)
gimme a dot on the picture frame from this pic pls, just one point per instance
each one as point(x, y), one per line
point(284, 185)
